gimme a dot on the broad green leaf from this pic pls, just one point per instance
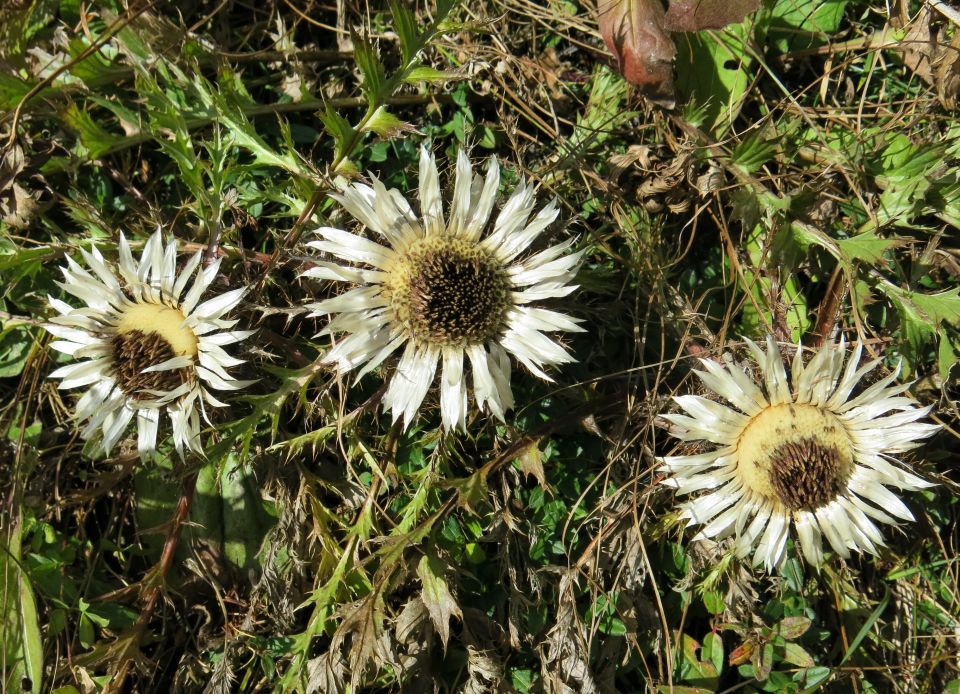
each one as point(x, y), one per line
point(15, 344)
point(712, 650)
point(814, 677)
point(795, 654)
point(943, 306)
point(948, 355)
point(802, 24)
point(793, 627)
point(713, 70)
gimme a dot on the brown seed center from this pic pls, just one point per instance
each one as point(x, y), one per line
point(134, 351)
point(806, 474)
point(450, 293)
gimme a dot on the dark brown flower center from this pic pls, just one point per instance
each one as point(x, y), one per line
point(134, 351)
point(806, 474)
point(456, 294)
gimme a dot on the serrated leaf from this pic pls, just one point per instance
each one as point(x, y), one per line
point(531, 463)
point(473, 490)
point(753, 152)
point(94, 137)
point(387, 125)
point(405, 24)
point(339, 129)
point(437, 597)
point(867, 247)
point(371, 69)
point(944, 306)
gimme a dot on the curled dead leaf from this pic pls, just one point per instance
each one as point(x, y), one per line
point(637, 32)
point(642, 49)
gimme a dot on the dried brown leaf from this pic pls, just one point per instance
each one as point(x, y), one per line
point(642, 49)
point(637, 32)
point(437, 596)
point(697, 15)
point(531, 463)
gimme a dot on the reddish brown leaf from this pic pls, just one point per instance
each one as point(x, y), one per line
point(697, 15)
point(637, 32)
point(742, 653)
point(643, 51)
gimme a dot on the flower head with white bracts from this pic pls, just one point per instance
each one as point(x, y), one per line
point(814, 456)
point(147, 346)
point(446, 290)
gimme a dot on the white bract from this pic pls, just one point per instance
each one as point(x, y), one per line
point(446, 291)
point(814, 455)
point(147, 345)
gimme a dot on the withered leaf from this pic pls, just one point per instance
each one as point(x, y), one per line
point(637, 32)
point(643, 51)
point(437, 597)
point(697, 15)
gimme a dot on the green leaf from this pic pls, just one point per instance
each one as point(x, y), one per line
point(944, 306)
point(802, 24)
point(795, 654)
point(867, 626)
point(371, 69)
point(13, 90)
point(340, 130)
point(385, 124)
point(713, 71)
point(763, 662)
point(21, 650)
point(867, 247)
point(793, 627)
point(94, 137)
point(752, 152)
point(15, 343)
point(422, 73)
point(714, 602)
point(712, 650)
point(948, 355)
point(405, 24)
point(814, 677)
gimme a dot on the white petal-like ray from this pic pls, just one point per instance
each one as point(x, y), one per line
point(369, 322)
point(879, 421)
point(87, 332)
point(431, 202)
